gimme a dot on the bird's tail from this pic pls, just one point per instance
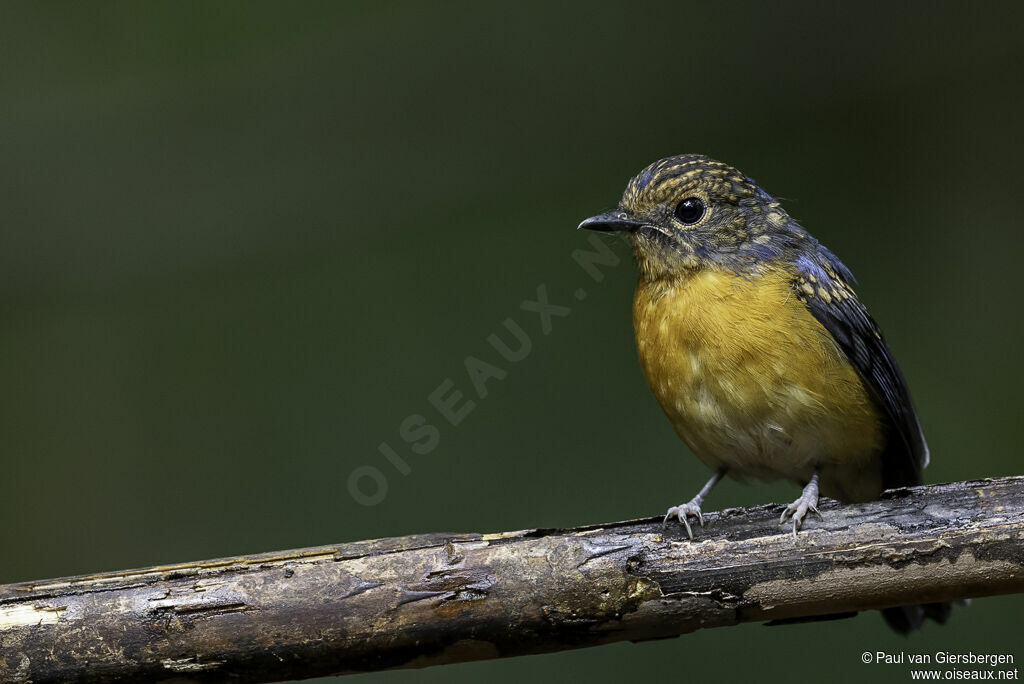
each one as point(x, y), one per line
point(900, 471)
point(906, 619)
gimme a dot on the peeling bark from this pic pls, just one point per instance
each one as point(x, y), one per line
point(442, 598)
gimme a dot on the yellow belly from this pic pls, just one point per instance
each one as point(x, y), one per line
point(751, 381)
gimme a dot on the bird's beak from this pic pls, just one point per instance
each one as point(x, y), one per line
point(611, 222)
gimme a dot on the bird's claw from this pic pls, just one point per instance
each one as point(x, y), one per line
point(798, 509)
point(682, 512)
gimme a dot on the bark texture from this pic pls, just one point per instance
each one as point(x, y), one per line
point(442, 598)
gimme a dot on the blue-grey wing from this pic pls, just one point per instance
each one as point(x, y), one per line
point(823, 284)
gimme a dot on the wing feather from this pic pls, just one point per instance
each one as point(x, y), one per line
point(823, 284)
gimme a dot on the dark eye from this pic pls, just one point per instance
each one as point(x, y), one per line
point(690, 210)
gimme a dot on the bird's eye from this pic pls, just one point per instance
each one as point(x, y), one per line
point(690, 210)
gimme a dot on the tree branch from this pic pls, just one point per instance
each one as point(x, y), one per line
point(443, 598)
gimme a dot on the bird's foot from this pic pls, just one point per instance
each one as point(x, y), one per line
point(683, 511)
point(808, 501)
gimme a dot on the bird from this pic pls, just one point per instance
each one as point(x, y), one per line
point(757, 348)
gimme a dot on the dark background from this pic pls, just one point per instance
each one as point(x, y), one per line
point(242, 243)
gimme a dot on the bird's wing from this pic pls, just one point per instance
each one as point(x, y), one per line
point(823, 284)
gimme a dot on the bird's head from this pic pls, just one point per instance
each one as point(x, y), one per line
point(690, 212)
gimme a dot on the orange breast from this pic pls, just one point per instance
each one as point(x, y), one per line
point(751, 381)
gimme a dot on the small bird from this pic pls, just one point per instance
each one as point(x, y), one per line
point(757, 348)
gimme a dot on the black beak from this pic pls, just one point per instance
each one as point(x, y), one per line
point(611, 222)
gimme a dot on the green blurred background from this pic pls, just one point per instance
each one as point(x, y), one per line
point(242, 242)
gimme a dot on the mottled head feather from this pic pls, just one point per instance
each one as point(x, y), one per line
point(744, 228)
point(667, 177)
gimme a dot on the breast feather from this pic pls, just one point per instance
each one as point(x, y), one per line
point(748, 377)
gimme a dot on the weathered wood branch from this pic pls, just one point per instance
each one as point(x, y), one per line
point(442, 598)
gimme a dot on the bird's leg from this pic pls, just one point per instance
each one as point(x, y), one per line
point(692, 507)
point(808, 501)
